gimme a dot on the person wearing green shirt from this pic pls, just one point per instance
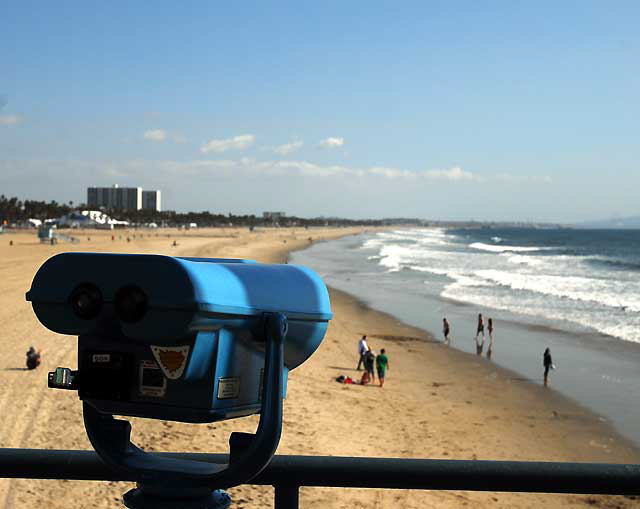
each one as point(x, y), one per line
point(382, 364)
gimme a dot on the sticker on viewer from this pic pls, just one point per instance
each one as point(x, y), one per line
point(172, 359)
point(152, 381)
point(229, 387)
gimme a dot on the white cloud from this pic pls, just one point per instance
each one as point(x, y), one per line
point(303, 168)
point(161, 135)
point(235, 143)
point(392, 173)
point(254, 169)
point(287, 148)
point(155, 135)
point(454, 174)
point(249, 166)
point(331, 142)
point(10, 119)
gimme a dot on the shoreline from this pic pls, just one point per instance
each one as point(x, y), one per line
point(590, 371)
point(426, 336)
point(589, 332)
point(436, 403)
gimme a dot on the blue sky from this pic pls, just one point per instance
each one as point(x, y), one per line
point(448, 110)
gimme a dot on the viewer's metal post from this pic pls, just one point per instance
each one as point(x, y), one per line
point(287, 496)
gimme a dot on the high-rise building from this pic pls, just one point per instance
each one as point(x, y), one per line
point(119, 198)
point(151, 200)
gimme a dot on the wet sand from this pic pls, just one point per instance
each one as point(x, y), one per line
point(436, 403)
point(599, 372)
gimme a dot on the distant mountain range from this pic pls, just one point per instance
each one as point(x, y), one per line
point(621, 223)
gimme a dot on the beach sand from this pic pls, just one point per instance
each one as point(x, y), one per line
point(437, 402)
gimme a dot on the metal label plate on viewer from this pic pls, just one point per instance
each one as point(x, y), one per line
point(229, 387)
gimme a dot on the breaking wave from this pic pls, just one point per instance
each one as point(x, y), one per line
point(501, 249)
point(553, 282)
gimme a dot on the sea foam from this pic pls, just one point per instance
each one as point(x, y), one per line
point(500, 249)
point(551, 283)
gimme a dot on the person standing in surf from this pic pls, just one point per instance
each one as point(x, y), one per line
point(490, 329)
point(548, 364)
point(480, 330)
point(446, 330)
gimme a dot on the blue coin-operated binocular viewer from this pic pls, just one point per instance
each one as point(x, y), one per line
point(182, 339)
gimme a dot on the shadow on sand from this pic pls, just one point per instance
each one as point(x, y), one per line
point(400, 339)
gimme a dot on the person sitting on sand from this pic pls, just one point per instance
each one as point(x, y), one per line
point(362, 350)
point(33, 358)
point(548, 363)
point(480, 330)
point(446, 330)
point(369, 361)
point(382, 363)
point(490, 329)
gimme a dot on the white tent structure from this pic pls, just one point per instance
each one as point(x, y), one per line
point(90, 219)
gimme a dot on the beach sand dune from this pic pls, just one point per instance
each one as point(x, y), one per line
point(436, 403)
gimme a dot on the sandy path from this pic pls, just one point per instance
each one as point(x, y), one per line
point(437, 402)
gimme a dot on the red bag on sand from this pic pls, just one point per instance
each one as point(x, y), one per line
point(348, 380)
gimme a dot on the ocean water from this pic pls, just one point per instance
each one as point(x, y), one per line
point(583, 279)
point(574, 291)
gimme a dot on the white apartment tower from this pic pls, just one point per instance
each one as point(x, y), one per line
point(122, 198)
point(119, 198)
point(151, 200)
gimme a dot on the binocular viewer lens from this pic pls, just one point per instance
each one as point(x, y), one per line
point(86, 300)
point(130, 302)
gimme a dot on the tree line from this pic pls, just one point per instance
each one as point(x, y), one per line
point(13, 210)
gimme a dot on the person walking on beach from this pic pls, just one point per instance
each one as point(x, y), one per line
point(480, 330)
point(382, 363)
point(369, 362)
point(548, 364)
point(490, 329)
point(446, 330)
point(363, 348)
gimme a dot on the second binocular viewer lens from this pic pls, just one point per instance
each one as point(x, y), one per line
point(130, 304)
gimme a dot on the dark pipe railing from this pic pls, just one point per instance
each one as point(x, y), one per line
point(288, 473)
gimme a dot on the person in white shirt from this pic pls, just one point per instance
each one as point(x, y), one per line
point(363, 348)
